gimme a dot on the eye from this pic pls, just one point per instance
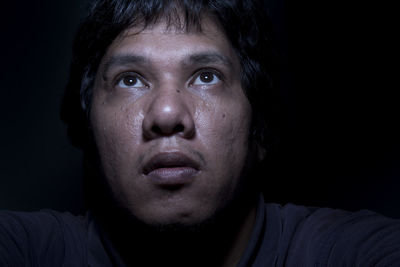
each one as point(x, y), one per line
point(206, 78)
point(130, 81)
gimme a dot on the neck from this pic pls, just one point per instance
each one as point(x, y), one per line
point(218, 243)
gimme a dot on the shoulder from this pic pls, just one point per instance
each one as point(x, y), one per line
point(45, 237)
point(40, 217)
point(331, 237)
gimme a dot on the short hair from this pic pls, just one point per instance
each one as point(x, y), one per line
point(243, 21)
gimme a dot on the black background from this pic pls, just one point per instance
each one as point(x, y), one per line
point(339, 138)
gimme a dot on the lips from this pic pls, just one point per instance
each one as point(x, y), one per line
point(171, 169)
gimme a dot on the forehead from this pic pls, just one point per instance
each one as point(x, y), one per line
point(164, 42)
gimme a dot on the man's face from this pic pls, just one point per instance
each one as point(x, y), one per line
point(171, 122)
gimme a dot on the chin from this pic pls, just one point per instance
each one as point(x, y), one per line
point(196, 219)
point(179, 225)
point(175, 219)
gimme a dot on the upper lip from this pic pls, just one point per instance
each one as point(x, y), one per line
point(169, 159)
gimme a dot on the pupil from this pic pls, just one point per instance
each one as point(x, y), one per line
point(129, 81)
point(206, 77)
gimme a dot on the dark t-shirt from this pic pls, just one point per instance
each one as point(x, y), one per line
point(282, 236)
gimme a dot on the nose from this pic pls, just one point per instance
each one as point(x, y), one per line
point(168, 114)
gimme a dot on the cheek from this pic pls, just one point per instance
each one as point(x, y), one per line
point(117, 133)
point(235, 138)
point(225, 130)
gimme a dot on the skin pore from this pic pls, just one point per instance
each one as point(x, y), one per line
point(171, 124)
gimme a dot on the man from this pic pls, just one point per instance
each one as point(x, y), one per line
point(165, 98)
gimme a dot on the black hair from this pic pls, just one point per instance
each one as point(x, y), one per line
point(243, 21)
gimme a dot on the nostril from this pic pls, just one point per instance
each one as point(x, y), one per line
point(155, 129)
point(178, 128)
point(165, 131)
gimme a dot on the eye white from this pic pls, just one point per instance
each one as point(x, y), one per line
point(130, 82)
point(206, 78)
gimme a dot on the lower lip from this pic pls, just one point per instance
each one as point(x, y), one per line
point(172, 176)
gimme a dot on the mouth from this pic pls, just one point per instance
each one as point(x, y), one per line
point(171, 169)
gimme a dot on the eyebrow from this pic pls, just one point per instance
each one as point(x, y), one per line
point(197, 58)
point(208, 58)
point(119, 60)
